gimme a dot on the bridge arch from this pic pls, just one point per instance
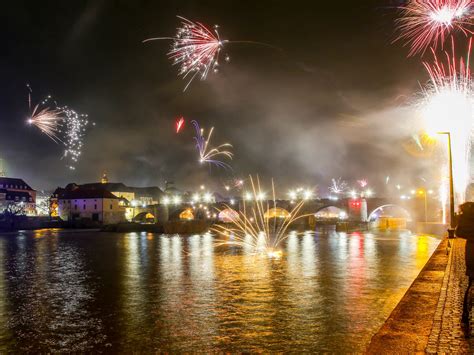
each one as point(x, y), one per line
point(144, 217)
point(228, 215)
point(277, 212)
point(403, 210)
point(187, 214)
point(331, 212)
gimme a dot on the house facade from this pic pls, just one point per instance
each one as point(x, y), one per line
point(14, 191)
point(100, 206)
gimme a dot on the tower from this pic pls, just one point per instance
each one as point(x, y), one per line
point(3, 173)
point(105, 179)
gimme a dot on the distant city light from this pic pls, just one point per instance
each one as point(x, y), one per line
point(307, 194)
point(176, 200)
point(166, 200)
point(207, 197)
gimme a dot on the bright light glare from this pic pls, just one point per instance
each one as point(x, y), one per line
point(207, 197)
point(292, 195)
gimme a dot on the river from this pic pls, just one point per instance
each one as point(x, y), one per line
point(109, 292)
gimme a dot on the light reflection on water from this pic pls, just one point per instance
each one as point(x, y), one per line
point(145, 292)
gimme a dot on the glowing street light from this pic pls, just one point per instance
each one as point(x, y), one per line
point(166, 200)
point(307, 194)
point(207, 197)
point(292, 195)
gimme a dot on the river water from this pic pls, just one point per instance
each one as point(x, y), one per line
point(111, 292)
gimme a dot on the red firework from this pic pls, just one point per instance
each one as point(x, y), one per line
point(179, 124)
point(427, 23)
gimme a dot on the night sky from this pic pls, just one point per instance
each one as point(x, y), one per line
point(331, 103)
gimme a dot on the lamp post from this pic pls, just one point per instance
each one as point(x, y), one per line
point(451, 188)
point(424, 193)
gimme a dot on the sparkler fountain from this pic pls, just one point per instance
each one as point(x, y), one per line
point(256, 228)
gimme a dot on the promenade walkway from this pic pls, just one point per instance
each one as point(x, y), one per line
point(428, 318)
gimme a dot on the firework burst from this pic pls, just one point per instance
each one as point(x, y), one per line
point(75, 125)
point(179, 124)
point(208, 154)
point(261, 227)
point(447, 105)
point(195, 49)
point(427, 23)
point(338, 186)
point(62, 124)
point(46, 119)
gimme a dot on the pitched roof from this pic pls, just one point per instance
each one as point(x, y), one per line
point(120, 187)
point(110, 186)
point(81, 193)
point(22, 185)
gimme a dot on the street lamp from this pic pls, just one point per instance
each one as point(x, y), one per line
point(451, 187)
point(424, 193)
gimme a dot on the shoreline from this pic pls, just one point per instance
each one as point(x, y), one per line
point(409, 326)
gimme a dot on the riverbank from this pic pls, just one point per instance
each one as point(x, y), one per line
point(428, 318)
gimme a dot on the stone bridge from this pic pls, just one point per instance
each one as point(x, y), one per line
point(362, 210)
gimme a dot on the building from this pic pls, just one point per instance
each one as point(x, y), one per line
point(18, 192)
point(75, 203)
point(143, 196)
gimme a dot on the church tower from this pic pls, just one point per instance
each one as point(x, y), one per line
point(3, 173)
point(105, 179)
